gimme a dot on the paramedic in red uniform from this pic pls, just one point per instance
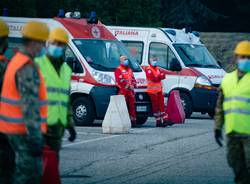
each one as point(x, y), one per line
point(154, 77)
point(126, 82)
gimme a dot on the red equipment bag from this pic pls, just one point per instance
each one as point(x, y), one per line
point(50, 167)
point(175, 109)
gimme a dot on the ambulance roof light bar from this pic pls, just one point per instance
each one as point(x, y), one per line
point(74, 15)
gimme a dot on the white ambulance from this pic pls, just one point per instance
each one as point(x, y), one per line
point(93, 54)
point(188, 65)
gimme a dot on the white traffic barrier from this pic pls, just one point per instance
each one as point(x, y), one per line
point(116, 120)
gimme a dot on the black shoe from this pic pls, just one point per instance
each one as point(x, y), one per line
point(168, 123)
point(161, 125)
point(135, 125)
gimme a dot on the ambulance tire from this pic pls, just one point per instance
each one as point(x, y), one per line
point(141, 120)
point(211, 114)
point(187, 104)
point(83, 111)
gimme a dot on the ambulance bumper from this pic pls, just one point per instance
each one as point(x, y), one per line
point(204, 100)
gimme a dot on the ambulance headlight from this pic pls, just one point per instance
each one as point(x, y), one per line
point(103, 78)
point(204, 81)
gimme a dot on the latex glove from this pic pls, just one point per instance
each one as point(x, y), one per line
point(72, 133)
point(218, 137)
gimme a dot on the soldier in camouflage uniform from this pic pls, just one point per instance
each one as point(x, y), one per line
point(233, 111)
point(28, 147)
point(6, 153)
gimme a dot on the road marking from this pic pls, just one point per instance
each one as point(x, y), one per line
point(88, 141)
point(102, 138)
point(90, 133)
point(143, 130)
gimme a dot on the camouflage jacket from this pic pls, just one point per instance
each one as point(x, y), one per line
point(28, 82)
point(219, 112)
point(3, 65)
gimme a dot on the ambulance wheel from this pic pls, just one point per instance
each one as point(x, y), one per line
point(211, 114)
point(187, 104)
point(83, 111)
point(141, 120)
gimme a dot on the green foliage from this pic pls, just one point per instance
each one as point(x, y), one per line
point(203, 15)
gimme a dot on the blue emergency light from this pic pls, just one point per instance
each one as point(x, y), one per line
point(195, 33)
point(61, 13)
point(5, 12)
point(170, 31)
point(93, 18)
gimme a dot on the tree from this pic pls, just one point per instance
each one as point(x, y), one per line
point(181, 13)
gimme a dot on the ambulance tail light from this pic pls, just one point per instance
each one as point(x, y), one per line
point(103, 78)
point(203, 82)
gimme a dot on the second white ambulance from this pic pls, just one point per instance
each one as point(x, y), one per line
point(188, 65)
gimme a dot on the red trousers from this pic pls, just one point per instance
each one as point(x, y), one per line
point(130, 100)
point(157, 101)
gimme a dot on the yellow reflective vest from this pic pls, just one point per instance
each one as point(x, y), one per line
point(236, 103)
point(58, 90)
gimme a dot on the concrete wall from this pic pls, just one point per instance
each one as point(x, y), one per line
point(221, 45)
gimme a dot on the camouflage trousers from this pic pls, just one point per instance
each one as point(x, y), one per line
point(238, 155)
point(7, 160)
point(28, 168)
point(53, 137)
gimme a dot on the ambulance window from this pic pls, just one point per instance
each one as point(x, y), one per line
point(15, 44)
point(171, 56)
point(160, 51)
point(135, 49)
point(73, 61)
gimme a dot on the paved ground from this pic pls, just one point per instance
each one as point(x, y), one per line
point(181, 154)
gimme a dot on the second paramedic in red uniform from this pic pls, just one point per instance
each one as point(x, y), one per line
point(126, 82)
point(154, 77)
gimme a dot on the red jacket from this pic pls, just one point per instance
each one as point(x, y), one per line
point(125, 78)
point(154, 77)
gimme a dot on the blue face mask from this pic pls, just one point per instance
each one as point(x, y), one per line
point(244, 65)
point(126, 62)
point(154, 63)
point(55, 51)
point(42, 52)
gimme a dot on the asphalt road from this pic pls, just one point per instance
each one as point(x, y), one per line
point(182, 154)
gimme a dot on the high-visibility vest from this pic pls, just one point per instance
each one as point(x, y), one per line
point(11, 115)
point(127, 76)
point(58, 90)
point(153, 87)
point(236, 105)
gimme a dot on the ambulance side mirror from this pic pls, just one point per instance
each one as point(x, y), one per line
point(175, 65)
point(74, 65)
point(219, 63)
